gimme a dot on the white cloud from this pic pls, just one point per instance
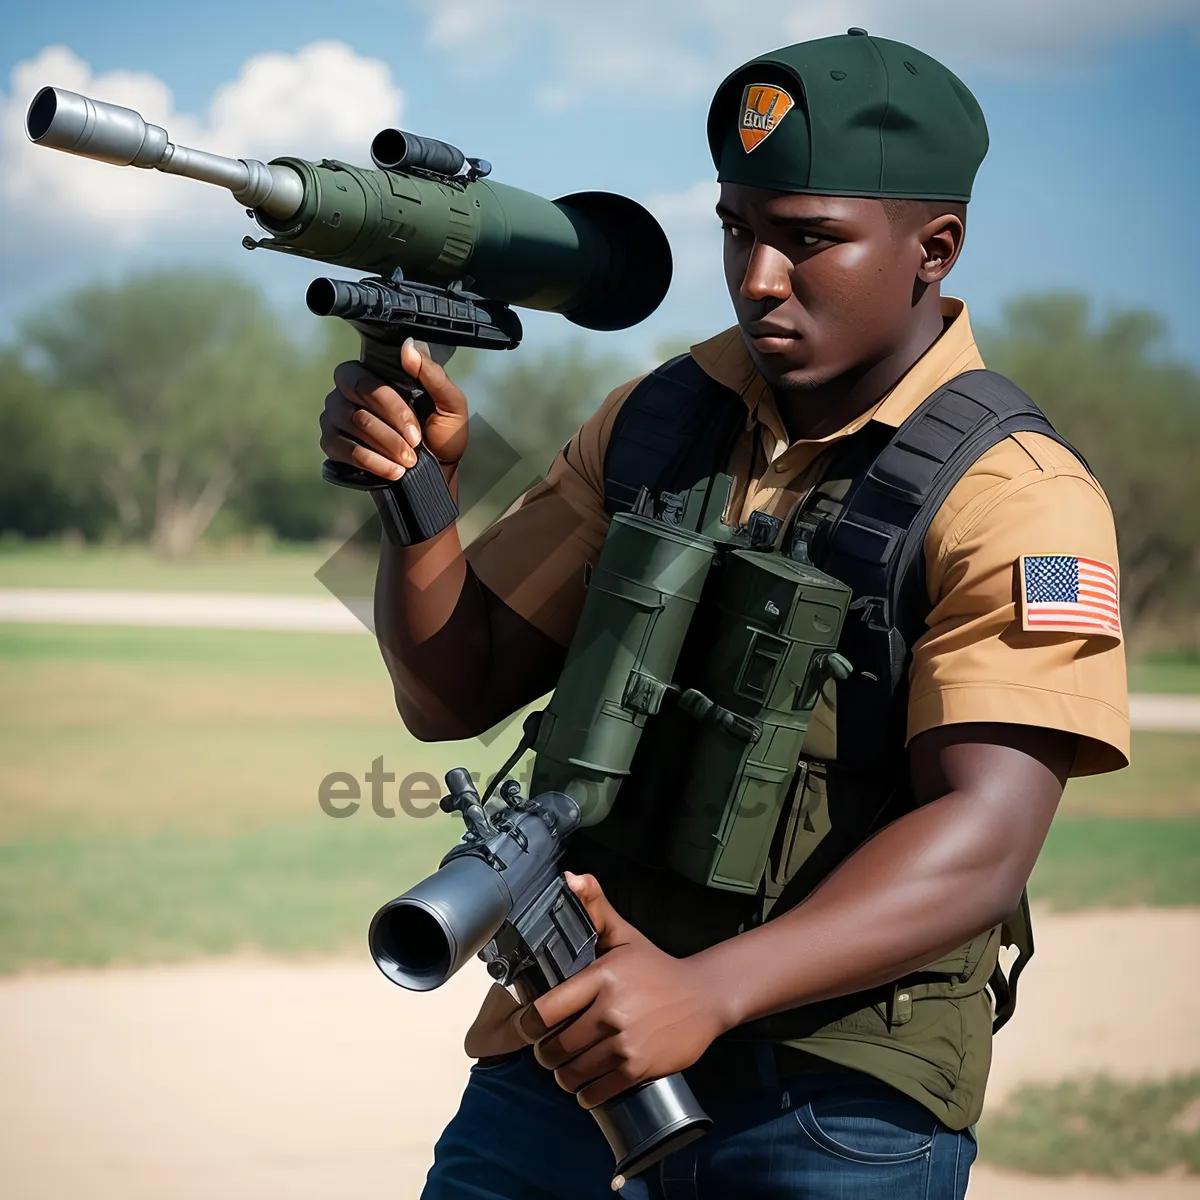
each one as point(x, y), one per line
point(475, 22)
point(697, 305)
point(670, 50)
point(323, 101)
point(692, 227)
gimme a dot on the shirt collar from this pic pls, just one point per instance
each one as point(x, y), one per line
point(726, 359)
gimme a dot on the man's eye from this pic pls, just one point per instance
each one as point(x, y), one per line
point(733, 230)
point(808, 240)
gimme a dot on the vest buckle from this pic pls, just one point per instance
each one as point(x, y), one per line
point(873, 612)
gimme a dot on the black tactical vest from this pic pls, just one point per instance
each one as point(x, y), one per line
point(864, 524)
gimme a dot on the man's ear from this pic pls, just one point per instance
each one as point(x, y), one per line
point(941, 242)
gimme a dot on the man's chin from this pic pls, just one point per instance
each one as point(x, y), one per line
point(776, 368)
point(786, 375)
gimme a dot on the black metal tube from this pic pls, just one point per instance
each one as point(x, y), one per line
point(395, 150)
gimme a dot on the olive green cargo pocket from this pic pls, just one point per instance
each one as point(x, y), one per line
point(804, 826)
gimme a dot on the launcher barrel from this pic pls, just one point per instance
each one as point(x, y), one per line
point(109, 133)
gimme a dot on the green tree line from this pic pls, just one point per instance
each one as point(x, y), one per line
point(174, 406)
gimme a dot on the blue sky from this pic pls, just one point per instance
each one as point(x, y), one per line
point(1090, 183)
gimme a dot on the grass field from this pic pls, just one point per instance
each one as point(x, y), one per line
point(1097, 1126)
point(160, 799)
point(1180, 674)
point(211, 568)
point(284, 568)
point(1163, 780)
point(1089, 862)
point(161, 793)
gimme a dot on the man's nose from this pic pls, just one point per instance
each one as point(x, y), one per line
point(768, 275)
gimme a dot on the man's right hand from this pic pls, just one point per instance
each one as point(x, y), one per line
point(363, 409)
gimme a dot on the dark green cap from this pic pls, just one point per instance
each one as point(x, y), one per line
point(851, 115)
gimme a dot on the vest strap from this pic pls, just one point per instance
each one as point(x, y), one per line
point(675, 428)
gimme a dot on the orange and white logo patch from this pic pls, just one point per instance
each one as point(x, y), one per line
point(763, 107)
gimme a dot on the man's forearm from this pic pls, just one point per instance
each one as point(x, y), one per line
point(417, 587)
point(921, 887)
point(417, 590)
point(429, 674)
point(460, 659)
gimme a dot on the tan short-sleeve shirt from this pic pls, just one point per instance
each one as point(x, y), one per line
point(979, 661)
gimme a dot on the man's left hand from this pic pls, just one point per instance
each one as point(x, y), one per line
point(634, 1015)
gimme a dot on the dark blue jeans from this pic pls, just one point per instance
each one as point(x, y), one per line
point(518, 1136)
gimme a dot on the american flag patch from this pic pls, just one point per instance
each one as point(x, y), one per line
point(1062, 594)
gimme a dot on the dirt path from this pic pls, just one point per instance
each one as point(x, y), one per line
point(325, 614)
point(256, 1080)
point(188, 610)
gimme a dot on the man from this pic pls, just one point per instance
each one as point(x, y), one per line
point(842, 1045)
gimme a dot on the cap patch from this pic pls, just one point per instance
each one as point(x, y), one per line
point(763, 107)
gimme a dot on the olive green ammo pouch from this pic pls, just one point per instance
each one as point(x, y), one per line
point(640, 601)
point(755, 685)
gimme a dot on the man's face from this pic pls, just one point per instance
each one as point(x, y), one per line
point(822, 285)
